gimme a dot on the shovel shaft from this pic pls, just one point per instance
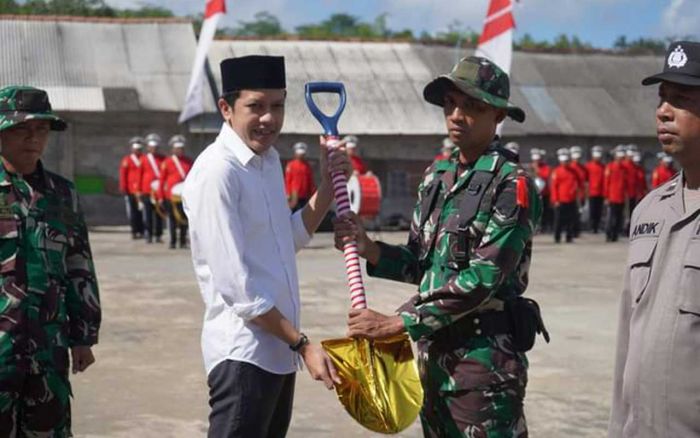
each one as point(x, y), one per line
point(352, 258)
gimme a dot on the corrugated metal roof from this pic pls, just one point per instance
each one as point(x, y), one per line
point(77, 60)
point(597, 95)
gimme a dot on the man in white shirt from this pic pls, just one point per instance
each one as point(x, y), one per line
point(244, 239)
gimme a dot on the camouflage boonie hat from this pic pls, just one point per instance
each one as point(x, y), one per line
point(20, 103)
point(479, 78)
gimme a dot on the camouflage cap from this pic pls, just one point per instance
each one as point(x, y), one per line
point(479, 78)
point(19, 103)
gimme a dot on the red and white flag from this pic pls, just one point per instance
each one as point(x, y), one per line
point(496, 41)
point(193, 100)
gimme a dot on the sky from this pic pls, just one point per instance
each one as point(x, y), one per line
point(598, 22)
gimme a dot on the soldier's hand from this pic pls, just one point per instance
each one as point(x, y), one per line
point(320, 365)
point(366, 323)
point(349, 228)
point(81, 358)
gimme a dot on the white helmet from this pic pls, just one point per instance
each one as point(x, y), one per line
point(153, 140)
point(350, 141)
point(300, 148)
point(177, 141)
point(136, 143)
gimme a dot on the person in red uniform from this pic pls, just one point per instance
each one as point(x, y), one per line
point(596, 181)
point(615, 190)
point(564, 194)
point(664, 171)
point(446, 151)
point(150, 174)
point(632, 195)
point(582, 173)
point(641, 188)
point(130, 186)
point(299, 178)
point(358, 164)
point(173, 171)
point(542, 172)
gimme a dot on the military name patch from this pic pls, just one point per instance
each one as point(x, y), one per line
point(647, 229)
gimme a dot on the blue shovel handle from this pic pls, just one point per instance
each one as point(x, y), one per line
point(329, 123)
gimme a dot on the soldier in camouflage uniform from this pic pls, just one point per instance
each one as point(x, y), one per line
point(469, 252)
point(49, 300)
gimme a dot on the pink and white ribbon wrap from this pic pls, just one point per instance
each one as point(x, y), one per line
point(352, 258)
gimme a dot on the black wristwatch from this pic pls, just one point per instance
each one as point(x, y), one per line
point(303, 340)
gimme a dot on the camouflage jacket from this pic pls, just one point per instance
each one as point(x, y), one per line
point(49, 299)
point(498, 249)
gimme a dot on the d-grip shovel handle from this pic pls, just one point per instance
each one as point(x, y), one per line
point(329, 123)
point(340, 185)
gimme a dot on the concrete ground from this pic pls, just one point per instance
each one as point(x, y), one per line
point(149, 380)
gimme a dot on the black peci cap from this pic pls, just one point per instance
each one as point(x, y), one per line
point(252, 73)
point(682, 65)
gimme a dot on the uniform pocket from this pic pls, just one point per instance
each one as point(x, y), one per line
point(9, 234)
point(55, 245)
point(641, 253)
point(690, 280)
point(686, 342)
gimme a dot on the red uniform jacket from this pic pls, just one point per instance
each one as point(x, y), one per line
point(299, 178)
point(150, 170)
point(130, 174)
point(170, 174)
point(616, 182)
point(596, 178)
point(631, 175)
point(582, 174)
point(565, 184)
point(640, 183)
point(662, 173)
point(358, 164)
point(543, 171)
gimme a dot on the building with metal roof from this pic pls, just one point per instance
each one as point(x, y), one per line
point(112, 79)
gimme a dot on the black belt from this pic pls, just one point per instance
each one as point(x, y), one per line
point(457, 334)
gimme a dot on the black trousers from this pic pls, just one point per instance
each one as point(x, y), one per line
point(133, 214)
point(247, 401)
point(577, 220)
point(595, 204)
point(547, 214)
point(631, 204)
point(615, 221)
point(153, 221)
point(564, 220)
point(173, 226)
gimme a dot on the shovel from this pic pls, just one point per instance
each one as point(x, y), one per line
point(380, 386)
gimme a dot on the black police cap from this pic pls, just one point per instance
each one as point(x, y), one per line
point(252, 73)
point(681, 65)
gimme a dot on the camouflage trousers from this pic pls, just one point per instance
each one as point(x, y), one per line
point(474, 393)
point(35, 405)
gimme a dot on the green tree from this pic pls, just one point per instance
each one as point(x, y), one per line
point(8, 7)
point(264, 24)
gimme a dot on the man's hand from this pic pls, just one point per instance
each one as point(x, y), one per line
point(319, 364)
point(333, 160)
point(81, 357)
point(293, 200)
point(366, 323)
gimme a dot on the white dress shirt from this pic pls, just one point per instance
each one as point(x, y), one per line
point(244, 239)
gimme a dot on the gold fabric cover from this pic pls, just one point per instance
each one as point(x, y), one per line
point(381, 389)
